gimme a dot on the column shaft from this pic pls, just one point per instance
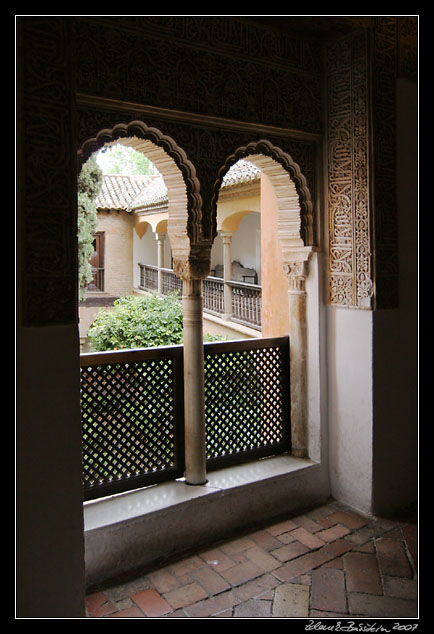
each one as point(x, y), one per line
point(298, 342)
point(296, 272)
point(160, 259)
point(195, 447)
point(227, 273)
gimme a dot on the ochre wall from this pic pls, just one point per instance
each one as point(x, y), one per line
point(275, 314)
point(118, 264)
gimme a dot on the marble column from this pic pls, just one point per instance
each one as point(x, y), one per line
point(194, 398)
point(227, 273)
point(296, 272)
point(160, 237)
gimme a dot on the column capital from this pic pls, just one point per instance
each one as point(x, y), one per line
point(295, 268)
point(226, 235)
point(195, 266)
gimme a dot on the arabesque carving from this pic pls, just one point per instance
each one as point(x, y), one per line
point(350, 265)
point(210, 67)
point(203, 65)
point(47, 209)
point(296, 272)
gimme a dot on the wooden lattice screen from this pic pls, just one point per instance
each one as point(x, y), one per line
point(132, 419)
point(247, 400)
point(133, 411)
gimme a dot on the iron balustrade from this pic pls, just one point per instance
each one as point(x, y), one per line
point(246, 298)
point(132, 410)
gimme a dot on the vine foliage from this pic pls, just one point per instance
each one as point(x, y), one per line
point(89, 185)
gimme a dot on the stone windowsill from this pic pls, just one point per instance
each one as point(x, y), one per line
point(128, 506)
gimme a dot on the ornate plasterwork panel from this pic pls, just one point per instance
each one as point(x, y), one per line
point(47, 210)
point(361, 141)
point(212, 65)
point(350, 261)
point(214, 86)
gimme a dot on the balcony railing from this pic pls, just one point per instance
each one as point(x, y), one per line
point(133, 413)
point(148, 277)
point(213, 295)
point(246, 303)
point(246, 298)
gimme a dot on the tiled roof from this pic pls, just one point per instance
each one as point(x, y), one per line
point(136, 192)
point(118, 191)
point(242, 172)
point(155, 192)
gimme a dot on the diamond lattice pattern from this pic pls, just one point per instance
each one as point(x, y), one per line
point(128, 420)
point(243, 401)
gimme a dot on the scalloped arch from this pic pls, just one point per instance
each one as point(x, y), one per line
point(179, 174)
point(295, 220)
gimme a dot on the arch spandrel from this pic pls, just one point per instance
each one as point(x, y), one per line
point(141, 227)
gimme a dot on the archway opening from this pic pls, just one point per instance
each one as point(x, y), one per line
point(178, 173)
point(286, 239)
point(132, 222)
point(260, 182)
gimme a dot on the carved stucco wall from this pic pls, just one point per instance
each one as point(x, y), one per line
point(348, 130)
point(183, 80)
point(214, 85)
point(47, 181)
point(362, 69)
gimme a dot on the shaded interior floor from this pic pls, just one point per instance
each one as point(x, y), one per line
point(329, 562)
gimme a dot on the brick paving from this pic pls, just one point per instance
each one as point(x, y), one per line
point(329, 562)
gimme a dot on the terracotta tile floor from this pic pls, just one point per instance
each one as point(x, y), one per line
point(327, 563)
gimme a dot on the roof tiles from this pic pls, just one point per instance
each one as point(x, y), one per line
point(133, 192)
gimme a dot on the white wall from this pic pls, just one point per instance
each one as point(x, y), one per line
point(350, 407)
point(217, 251)
point(244, 245)
point(145, 251)
point(244, 241)
point(49, 491)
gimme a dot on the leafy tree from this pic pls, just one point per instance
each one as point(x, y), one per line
point(89, 185)
point(122, 159)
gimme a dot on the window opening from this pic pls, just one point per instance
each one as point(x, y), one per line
point(239, 270)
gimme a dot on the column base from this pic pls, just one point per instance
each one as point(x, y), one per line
point(196, 484)
point(299, 453)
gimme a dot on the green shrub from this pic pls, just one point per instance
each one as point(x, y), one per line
point(138, 321)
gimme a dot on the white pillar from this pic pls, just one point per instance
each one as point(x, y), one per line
point(227, 273)
point(194, 398)
point(296, 272)
point(160, 237)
